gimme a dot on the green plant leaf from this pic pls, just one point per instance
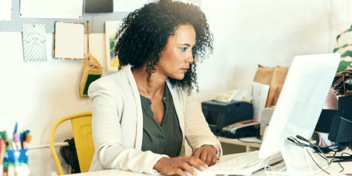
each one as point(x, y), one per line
point(344, 65)
point(347, 53)
point(344, 46)
point(348, 30)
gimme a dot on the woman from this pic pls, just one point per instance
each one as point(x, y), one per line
point(143, 113)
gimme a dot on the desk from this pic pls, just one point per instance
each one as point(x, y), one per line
point(334, 169)
point(252, 144)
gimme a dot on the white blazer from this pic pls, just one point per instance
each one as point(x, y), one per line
point(117, 124)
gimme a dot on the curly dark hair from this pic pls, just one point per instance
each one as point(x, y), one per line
point(145, 32)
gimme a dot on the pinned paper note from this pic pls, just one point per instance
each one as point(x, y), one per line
point(111, 28)
point(69, 40)
point(51, 9)
point(259, 96)
point(5, 10)
point(128, 6)
point(34, 43)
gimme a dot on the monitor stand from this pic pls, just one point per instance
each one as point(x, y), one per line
point(298, 161)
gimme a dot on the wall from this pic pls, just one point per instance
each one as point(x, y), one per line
point(270, 33)
point(246, 33)
point(36, 95)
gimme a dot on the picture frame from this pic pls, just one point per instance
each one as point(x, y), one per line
point(111, 28)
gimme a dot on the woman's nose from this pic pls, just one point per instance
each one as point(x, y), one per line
point(190, 58)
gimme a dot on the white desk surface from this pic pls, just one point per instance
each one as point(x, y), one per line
point(333, 169)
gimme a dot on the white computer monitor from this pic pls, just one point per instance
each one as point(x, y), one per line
point(297, 112)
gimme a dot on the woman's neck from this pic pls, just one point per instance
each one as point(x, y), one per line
point(152, 88)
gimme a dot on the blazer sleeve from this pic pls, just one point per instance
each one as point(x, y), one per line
point(108, 137)
point(197, 129)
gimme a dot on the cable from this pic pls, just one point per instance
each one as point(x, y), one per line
point(346, 154)
point(297, 142)
point(317, 163)
point(340, 164)
point(334, 148)
point(341, 167)
point(333, 157)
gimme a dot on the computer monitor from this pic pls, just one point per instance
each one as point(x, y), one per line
point(297, 111)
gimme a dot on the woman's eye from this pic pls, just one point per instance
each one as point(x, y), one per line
point(183, 49)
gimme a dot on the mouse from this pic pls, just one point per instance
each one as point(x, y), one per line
point(206, 172)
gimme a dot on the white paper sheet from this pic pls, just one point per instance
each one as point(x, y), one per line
point(128, 5)
point(192, 2)
point(259, 95)
point(69, 40)
point(11, 47)
point(34, 43)
point(111, 28)
point(5, 10)
point(232, 95)
point(51, 8)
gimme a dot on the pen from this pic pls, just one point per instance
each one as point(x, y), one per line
point(16, 139)
point(4, 135)
point(15, 131)
point(23, 138)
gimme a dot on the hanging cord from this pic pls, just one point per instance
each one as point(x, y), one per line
point(90, 64)
point(88, 37)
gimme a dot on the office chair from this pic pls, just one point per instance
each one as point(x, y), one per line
point(82, 133)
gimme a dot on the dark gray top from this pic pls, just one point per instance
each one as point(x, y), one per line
point(167, 138)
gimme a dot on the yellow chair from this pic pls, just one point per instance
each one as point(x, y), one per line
point(82, 133)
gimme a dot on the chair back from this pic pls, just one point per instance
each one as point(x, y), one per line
point(82, 133)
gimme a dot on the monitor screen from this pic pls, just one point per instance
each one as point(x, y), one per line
point(298, 109)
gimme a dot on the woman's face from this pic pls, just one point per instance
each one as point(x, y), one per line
point(176, 57)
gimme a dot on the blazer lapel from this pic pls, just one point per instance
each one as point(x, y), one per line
point(179, 103)
point(139, 125)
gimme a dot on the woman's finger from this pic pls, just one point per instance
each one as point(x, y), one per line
point(179, 172)
point(197, 152)
point(197, 163)
point(213, 160)
point(188, 168)
point(210, 158)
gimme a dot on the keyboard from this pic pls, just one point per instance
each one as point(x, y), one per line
point(245, 164)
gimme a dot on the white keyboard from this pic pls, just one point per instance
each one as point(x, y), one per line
point(244, 164)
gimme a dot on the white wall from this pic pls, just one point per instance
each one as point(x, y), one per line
point(246, 33)
point(266, 32)
point(36, 95)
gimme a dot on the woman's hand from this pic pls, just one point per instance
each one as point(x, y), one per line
point(206, 153)
point(179, 165)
